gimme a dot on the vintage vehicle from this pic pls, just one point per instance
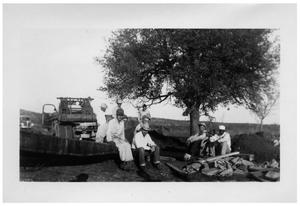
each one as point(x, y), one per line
point(25, 122)
point(69, 134)
point(74, 118)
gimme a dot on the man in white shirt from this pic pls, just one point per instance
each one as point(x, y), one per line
point(102, 129)
point(143, 145)
point(144, 121)
point(222, 140)
point(115, 133)
point(102, 120)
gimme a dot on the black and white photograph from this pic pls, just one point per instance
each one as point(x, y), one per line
point(101, 96)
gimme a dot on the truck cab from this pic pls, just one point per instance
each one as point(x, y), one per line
point(74, 119)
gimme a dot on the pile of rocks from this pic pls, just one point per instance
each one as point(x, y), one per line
point(234, 164)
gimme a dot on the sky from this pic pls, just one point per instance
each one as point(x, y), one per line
point(61, 63)
point(58, 60)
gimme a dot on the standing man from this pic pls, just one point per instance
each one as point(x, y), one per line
point(102, 129)
point(194, 142)
point(144, 111)
point(101, 120)
point(221, 140)
point(115, 133)
point(143, 145)
point(119, 106)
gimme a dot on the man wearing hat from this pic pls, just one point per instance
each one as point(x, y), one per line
point(144, 121)
point(115, 133)
point(144, 111)
point(102, 119)
point(221, 140)
point(102, 129)
point(119, 104)
point(194, 142)
point(143, 145)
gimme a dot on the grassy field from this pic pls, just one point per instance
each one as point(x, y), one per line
point(178, 128)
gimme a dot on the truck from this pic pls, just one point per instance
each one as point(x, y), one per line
point(74, 119)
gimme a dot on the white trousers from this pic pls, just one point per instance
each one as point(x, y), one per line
point(124, 150)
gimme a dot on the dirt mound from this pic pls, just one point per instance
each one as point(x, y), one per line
point(259, 144)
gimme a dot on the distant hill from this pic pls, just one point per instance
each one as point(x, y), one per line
point(35, 117)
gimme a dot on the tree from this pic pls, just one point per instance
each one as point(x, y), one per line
point(263, 105)
point(196, 69)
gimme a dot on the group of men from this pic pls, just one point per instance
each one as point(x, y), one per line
point(112, 131)
point(208, 144)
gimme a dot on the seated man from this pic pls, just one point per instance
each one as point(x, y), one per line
point(115, 133)
point(222, 140)
point(144, 145)
point(194, 142)
point(144, 121)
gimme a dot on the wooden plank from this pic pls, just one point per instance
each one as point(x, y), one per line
point(263, 169)
point(165, 158)
point(177, 170)
point(212, 159)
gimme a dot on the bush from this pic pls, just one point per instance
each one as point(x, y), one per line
point(260, 144)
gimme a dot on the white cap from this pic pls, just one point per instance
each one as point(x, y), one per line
point(119, 101)
point(221, 127)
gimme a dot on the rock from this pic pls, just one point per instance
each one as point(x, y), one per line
point(272, 175)
point(226, 173)
point(239, 172)
point(196, 166)
point(274, 164)
point(255, 168)
point(187, 156)
point(242, 167)
point(210, 172)
point(221, 164)
point(247, 163)
point(235, 160)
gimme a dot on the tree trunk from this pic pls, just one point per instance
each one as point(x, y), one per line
point(261, 125)
point(194, 120)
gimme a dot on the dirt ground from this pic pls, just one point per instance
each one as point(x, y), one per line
point(108, 171)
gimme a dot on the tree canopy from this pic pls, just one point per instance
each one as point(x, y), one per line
point(198, 69)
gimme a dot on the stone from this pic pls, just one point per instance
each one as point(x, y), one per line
point(272, 175)
point(274, 164)
point(226, 173)
point(210, 172)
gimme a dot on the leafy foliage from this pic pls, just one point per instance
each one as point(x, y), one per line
point(196, 69)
